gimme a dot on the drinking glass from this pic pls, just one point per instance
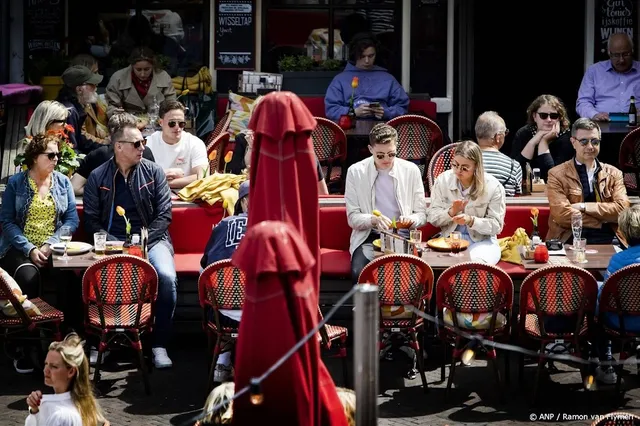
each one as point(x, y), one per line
point(536, 175)
point(576, 226)
point(455, 240)
point(415, 235)
point(65, 237)
point(580, 248)
point(100, 243)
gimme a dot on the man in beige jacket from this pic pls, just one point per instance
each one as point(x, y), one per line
point(382, 182)
point(585, 185)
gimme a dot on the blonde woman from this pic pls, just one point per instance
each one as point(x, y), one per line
point(66, 370)
point(467, 200)
point(48, 115)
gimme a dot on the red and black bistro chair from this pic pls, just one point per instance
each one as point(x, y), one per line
point(440, 162)
point(629, 161)
point(330, 146)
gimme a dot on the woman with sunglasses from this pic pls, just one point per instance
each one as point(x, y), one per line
point(389, 186)
point(544, 141)
point(48, 115)
point(36, 204)
point(470, 201)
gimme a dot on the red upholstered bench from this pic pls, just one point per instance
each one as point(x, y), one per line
point(190, 230)
point(335, 260)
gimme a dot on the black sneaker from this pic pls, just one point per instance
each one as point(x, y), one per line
point(23, 365)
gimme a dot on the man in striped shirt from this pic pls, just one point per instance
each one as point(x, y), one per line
point(490, 133)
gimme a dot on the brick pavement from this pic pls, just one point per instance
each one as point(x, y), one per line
point(179, 393)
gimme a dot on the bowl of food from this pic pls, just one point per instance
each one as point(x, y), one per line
point(442, 244)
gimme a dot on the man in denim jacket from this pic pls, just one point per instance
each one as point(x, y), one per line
point(140, 187)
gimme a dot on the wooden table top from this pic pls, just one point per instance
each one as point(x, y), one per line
point(596, 261)
point(78, 261)
point(363, 128)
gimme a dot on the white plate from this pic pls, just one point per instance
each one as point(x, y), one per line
point(74, 247)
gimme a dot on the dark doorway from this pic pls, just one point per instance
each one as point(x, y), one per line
point(525, 49)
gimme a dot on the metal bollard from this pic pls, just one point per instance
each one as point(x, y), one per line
point(366, 354)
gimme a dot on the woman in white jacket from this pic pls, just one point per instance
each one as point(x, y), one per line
point(382, 182)
point(467, 200)
point(66, 370)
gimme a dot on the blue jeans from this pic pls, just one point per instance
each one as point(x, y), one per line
point(161, 257)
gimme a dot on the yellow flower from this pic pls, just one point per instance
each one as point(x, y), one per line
point(184, 92)
point(228, 157)
point(376, 213)
point(534, 212)
point(225, 204)
point(213, 155)
point(354, 82)
point(120, 211)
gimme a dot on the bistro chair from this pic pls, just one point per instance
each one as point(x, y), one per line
point(483, 293)
point(45, 326)
point(119, 294)
point(629, 161)
point(220, 286)
point(217, 145)
point(418, 140)
point(620, 299)
point(333, 333)
point(402, 280)
point(558, 293)
point(330, 146)
point(440, 162)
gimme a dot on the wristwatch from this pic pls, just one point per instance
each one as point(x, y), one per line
point(583, 207)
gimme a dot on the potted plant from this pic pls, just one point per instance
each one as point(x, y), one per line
point(304, 76)
point(69, 160)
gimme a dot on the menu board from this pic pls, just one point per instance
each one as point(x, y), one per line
point(43, 26)
point(235, 34)
point(613, 16)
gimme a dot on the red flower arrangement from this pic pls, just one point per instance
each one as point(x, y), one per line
point(69, 159)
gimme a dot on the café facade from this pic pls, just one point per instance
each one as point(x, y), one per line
point(466, 56)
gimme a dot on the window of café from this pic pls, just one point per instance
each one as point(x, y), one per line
point(308, 27)
point(177, 31)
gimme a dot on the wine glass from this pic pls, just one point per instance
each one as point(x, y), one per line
point(576, 226)
point(455, 240)
point(65, 237)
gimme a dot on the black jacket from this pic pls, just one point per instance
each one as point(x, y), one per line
point(151, 194)
point(76, 119)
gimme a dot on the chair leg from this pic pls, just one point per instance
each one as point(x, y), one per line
point(452, 372)
point(137, 345)
point(520, 368)
point(444, 359)
point(541, 363)
point(216, 353)
point(507, 367)
point(496, 369)
point(345, 371)
point(420, 360)
point(101, 348)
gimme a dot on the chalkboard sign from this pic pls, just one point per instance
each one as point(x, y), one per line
point(235, 37)
point(613, 16)
point(43, 26)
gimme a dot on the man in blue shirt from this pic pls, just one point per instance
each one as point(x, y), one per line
point(224, 241)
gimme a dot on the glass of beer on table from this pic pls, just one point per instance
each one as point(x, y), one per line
point(455, 240)
point(100, 243)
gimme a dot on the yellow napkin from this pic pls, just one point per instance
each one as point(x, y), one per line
point(509, 246)
point(214, 188)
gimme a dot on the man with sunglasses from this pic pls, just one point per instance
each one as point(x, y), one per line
point(585, 185)
point(99, 156)
point(607, 86)
point(138, 186)
point(182, 156)
point(382, 182)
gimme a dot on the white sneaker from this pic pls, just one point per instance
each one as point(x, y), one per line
point(93, 356)
point(160, 358)
point(223, 373)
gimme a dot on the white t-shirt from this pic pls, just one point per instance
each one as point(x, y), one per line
point(55, 410)
point(188, 153)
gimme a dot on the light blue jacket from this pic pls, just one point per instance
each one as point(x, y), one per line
point(375, 85)
point(15, 207)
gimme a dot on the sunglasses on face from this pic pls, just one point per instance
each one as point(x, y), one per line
point(381, 155)
point(456, 166)
point(172, 124)
point(584, 142)
point(52, 155)
point(57, 122)
point(551, 115)
point(136, 144)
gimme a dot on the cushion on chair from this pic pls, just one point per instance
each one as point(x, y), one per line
point(532, 327)
point(335, 263)
point(119, 316)
point(187, 263)
point(47, 313)
point(477, 321)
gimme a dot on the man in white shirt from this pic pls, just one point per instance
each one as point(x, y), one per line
point(182, 156)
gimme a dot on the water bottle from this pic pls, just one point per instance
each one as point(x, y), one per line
point(153, 111)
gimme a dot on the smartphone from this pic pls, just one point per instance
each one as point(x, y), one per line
point(374, 105)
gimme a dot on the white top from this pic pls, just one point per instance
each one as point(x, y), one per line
point(188, 153)
point(386, 195)
point(55, 410)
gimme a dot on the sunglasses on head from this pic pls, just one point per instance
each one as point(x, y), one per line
point(551, 115)
point(52, 155)
point(136, 144)
point(172, 124)
point(584, 142)
point(381, 155)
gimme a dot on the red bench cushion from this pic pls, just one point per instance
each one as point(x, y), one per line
point(335, 263)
